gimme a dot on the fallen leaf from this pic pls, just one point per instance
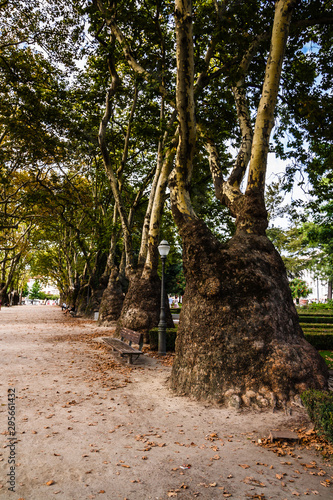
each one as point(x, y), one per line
point(245, 466)
point(49, 483)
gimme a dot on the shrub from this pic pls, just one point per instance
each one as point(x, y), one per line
point(317, 327)
point(328, 357)
point(322, 313)
point(319, 405)
point(321, 342)
point(303, 318)
point(171, 335)
point(320, 306)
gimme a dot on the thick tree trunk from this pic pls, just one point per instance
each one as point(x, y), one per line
point(239, 341)
point(3, 294)
point(142, 304)
point(112, 300)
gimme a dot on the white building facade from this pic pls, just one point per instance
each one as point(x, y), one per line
point(319, 287)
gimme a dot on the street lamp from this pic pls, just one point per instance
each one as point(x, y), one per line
point(163, 249)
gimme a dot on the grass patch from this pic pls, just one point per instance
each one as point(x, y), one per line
point(328, 357)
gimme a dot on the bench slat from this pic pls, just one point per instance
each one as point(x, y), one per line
point(121, 346)
point(131, 335)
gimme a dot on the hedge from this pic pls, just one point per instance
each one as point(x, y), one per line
point(320, 341)
point(171, 335)
point(306, 327)
point(319, 405)
point(303, 318)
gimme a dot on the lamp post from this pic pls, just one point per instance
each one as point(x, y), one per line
point(163, 249)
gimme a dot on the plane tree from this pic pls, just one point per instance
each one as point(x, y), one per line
point(138, 41)
point(33, 116)
point(146, 142)
point(239, 338)
point(16, 224)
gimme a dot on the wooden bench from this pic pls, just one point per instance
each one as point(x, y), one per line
point(126, 349)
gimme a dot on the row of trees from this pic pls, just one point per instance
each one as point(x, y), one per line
point(97, 164)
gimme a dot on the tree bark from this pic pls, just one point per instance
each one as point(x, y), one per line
point(239, 341)
point(141, 309)
point(112, 300)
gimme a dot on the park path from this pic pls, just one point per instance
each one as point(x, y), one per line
point(87, 427)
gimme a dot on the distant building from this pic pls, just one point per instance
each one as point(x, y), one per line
point(49, 288)
point(319, 287)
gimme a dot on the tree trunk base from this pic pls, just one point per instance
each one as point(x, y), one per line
point(142, 305)
point(239, 341)
point(112, 301)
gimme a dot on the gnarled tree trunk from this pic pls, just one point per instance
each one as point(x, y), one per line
point(112, 300)
point(239, 339)
point(141, 309)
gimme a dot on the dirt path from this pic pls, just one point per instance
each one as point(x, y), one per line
point(87, 427)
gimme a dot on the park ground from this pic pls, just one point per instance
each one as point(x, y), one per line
point(88, 426)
